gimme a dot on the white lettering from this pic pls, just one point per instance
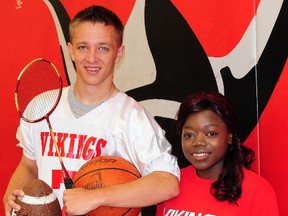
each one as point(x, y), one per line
point(19, 4)
point(175, 212)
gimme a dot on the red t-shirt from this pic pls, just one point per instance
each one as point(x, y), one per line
point(258, 198)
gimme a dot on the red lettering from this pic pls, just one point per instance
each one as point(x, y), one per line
point(81, 141)
point(87, 152)
point(100, 144)
point(61, 137)
point(86, 148)
point(70, 153)
point(44, 138)
point(51, 152)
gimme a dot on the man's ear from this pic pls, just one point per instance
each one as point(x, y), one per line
point(70, 49)
point(120, 54)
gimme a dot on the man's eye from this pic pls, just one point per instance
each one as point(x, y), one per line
point(103, 48)
point(82, 47)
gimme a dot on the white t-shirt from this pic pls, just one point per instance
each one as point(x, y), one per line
point(120, 126)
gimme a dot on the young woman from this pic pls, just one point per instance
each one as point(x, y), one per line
point(219, 180)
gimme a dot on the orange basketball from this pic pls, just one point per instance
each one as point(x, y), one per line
point(103, 171)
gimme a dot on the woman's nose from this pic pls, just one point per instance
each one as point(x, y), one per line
point(199, 140)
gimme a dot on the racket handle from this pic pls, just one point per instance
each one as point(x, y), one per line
point(68, 183)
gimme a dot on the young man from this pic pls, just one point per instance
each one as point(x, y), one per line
point(94, 118)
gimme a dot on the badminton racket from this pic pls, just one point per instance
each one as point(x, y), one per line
point(37, 94)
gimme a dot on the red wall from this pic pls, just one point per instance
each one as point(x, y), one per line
point(28, 32)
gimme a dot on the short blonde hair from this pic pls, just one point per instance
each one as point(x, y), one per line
point(97, 14)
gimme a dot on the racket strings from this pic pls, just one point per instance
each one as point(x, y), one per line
point(37, 94)
point(41, 105)
point(38, 91)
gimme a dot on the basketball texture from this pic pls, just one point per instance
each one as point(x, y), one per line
point(104, 171)
point(38, 200)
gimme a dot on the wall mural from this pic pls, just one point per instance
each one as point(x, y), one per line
point(173, 48)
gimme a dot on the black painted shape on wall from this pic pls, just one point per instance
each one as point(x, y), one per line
point(181, 63)
point(63, 17)
point(64, 21)
point(274, 57)
point(242, 92)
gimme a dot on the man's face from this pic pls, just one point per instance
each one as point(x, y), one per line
point(95, 50)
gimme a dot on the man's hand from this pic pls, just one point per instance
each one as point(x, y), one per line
point(9, 201)
point(78, 201)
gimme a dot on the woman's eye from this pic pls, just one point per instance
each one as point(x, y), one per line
point(212, 134)
point(187, 135)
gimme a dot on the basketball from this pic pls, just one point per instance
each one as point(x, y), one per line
point(104, 171)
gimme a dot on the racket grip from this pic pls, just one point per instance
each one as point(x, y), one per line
point(68, 183)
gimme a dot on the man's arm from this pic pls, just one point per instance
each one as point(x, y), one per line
point(24, 173)
point(148, 190)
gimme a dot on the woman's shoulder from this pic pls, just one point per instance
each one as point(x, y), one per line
point(253, 176)
point(257, 182)
point(258, 195)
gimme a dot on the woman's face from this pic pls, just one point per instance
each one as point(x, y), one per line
point(205, 139)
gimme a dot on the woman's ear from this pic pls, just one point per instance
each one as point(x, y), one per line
point(230, 138)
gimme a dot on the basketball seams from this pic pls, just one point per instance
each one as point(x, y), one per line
point(104, 171)
point(106, 168)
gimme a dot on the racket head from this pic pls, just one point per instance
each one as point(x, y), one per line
point(38, 90)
